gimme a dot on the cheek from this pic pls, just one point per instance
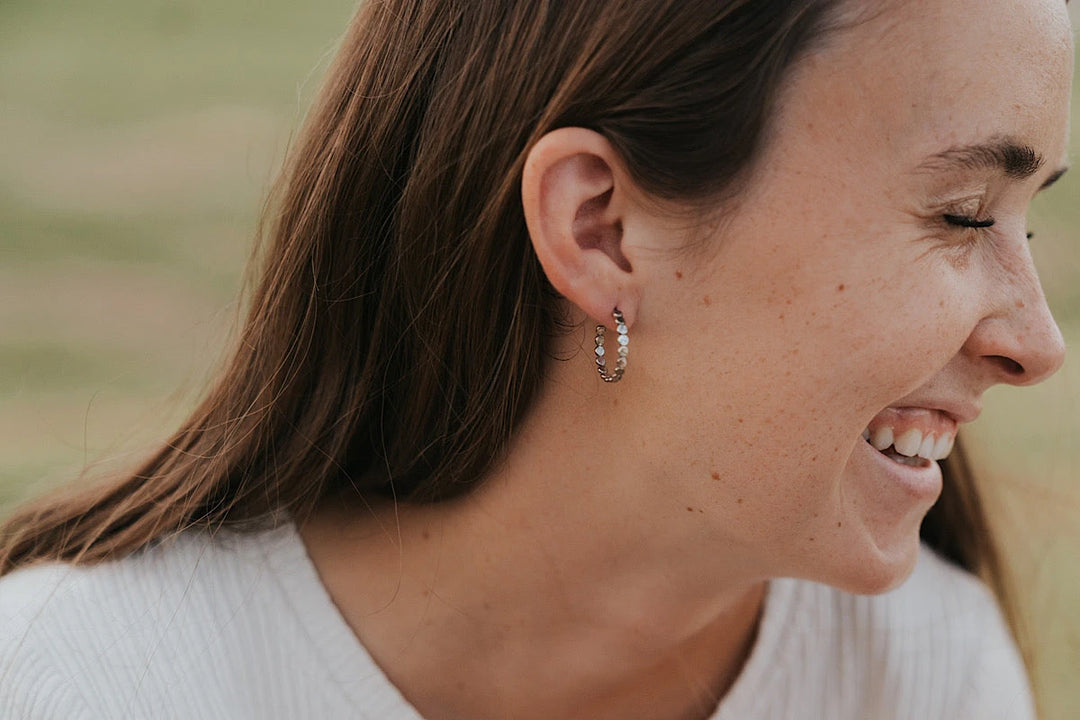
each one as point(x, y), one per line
point(886, 339)
point(794, 353)
point(837, 336)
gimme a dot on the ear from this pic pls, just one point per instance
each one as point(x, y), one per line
point(577, 198)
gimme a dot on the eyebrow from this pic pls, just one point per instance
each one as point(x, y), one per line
point(1011, 157)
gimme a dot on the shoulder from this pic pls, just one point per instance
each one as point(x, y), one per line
point(126, 592)
point(31, 685)
point(233, 624)
point(938, 641)
point(91, 638)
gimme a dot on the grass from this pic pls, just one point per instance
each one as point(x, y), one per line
point(140, 138)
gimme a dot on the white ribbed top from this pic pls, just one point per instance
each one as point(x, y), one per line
point(239, 626)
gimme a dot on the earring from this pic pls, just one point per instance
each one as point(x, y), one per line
point(624, 340)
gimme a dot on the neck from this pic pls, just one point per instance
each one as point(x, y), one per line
point(555, 618)
point(558, 589)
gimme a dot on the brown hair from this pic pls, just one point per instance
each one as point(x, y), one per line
point(402, 322)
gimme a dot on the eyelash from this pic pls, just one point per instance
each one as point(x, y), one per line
point(972, 223)
point(966, 221)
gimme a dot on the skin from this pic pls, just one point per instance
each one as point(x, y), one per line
point(614, 562)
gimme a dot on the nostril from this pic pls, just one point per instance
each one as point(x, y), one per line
point(1010, 366)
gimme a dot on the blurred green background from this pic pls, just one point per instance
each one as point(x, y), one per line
point(137, 140)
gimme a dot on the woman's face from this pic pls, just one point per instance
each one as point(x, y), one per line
point(845, 291)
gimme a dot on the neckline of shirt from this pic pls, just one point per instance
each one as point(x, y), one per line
point(369, 690)
point(353, 670)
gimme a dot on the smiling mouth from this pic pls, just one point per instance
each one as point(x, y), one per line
point(916, 461)
point(915, 437)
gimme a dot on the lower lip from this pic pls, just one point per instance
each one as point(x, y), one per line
point(920, 483)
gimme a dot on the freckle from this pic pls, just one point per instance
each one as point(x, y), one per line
point(838, 524)
point(739, 500)
point(706, 300)
point(716, 476)
point(425, 534)
point(678, 275)
point(781, 316)
point(739, 419)
point(840, 287)
point(427, 593)
point(788, 301)
point(614, 401)
point(1020, 304)
point(461, 685)
point(689, 509)
point(813, 459)
point(941, 303)
point(701, 511)
point(811, 539)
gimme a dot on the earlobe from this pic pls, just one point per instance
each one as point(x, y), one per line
point(575, 204)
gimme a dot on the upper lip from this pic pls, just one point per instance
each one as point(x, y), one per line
point(961, 411)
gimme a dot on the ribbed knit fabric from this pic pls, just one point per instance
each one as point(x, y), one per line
point(239, 626)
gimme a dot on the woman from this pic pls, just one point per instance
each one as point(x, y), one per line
point(410, 492)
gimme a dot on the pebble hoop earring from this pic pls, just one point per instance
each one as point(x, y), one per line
point(601, 353)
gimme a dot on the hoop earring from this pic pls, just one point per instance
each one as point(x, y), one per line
point(624, 340)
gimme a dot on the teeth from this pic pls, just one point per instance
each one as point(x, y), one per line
point(909, 443)
point(943, 447)
point(926, 450)
point(912, 444)
point(881, 438)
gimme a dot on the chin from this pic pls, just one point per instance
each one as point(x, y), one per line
point(881, 569)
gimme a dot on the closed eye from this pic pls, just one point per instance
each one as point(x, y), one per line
point(967, 221)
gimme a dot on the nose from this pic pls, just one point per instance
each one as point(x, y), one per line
point(1019, 342)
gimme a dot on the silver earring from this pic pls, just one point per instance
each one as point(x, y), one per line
point(601, 353)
